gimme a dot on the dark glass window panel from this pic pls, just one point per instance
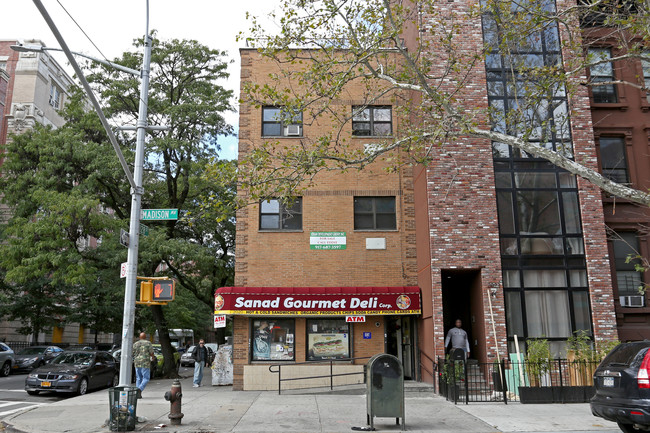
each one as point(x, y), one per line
point(385, 204)
point(625, 244)
point(509, 246)
point(544, 278)
point(292, 222)
point(275, 215)
point(500, 150)
point(547, 314)
point(372, 121)
point(506, 215)
point(363, 204)
point(382, 129)
point(602, 73)
point(272, 130)
point(538, 212)
point(581, 311)
point(363, 222)
point(374, 213)
point(571, 212)
point(503, 179)
point(612, 159)
point(568, 180)
point(269, 335)
point(574, 246)
point(535, 180)
point(386, 222)
point(270, 222)
point(514, 316)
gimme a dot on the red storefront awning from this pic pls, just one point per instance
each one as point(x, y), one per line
point(317, 301)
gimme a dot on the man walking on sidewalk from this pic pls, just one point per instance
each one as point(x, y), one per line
point(201, 359)
point(142, 354)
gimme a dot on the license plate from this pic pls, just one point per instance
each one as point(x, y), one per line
point(46, 384)
point(608, 381)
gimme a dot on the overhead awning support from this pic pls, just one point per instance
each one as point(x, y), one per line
point(317, 301)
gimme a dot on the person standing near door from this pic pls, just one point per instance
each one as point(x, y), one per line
point(458, 338)
point(201, 359)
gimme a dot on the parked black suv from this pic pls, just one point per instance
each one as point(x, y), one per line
point(622, 384)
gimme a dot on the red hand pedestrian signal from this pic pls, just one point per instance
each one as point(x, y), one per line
point(163, 290)
point(157, 291)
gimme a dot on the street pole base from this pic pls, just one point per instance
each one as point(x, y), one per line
point(175, 419)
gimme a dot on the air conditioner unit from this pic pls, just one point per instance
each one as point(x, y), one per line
point(632, 301)
point(292, 130)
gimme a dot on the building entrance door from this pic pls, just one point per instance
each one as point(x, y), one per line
point(461, 299)
point(400, 342)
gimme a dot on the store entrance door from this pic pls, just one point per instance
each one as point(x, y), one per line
point(400, 342)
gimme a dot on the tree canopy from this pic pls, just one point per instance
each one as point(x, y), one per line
point(69, 199)
point(419, 53)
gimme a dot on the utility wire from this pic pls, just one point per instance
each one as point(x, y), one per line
point(82, 30)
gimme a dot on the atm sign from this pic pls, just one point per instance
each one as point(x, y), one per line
point(355, 319)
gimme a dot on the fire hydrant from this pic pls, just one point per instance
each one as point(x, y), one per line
point(174, 397)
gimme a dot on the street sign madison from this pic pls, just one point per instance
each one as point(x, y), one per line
point(158, 214)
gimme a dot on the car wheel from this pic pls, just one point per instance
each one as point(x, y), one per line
point(6, 369)
point(83, 386)
point(32, 392)
point(628, 428)
point(116, 380)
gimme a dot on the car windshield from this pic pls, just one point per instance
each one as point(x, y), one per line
point(74, 358)
point(32, 351)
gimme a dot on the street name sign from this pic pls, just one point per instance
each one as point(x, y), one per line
point(144, 230)
point(158, 214)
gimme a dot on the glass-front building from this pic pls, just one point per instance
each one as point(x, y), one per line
point(542, 249)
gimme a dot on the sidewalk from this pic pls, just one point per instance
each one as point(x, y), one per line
point(219, 409)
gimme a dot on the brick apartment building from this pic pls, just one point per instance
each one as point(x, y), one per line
point(621, 121)
point(512, 245)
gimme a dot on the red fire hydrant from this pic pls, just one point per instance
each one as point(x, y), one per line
point(174, 397)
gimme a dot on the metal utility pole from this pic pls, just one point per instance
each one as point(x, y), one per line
point(135, 181)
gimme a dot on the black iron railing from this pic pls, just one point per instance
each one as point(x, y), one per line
point(560, 380)
point(277, 369)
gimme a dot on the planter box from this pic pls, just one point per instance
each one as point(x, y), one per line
point(536, 394)
point(555, 394)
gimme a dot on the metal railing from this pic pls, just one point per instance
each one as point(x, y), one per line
point(331, 375)
point(557, 380)
point(424, 366)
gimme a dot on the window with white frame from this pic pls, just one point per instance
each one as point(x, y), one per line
point(56, 96)
point(276, 215)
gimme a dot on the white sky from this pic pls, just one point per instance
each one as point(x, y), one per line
point(114, 24)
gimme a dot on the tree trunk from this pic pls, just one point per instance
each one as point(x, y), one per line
point(169, 366)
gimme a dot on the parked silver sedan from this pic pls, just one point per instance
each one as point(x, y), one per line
point(7, 360)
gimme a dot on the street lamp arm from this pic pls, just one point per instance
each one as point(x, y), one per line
point(39, 49)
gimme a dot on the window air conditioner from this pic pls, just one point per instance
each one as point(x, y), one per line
point(292, 130)
point(632, 301)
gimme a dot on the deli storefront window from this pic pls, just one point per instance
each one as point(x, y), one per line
point(273, 339)
point(328, 339)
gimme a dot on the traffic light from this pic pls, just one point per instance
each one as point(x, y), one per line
point(157, 292)
point(146, 289)
point(163, 291)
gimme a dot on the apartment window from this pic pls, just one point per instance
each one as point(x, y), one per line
point(602, 73)
point(278, 122)
point(276, 215)
point(328, 339)
point(612, 159)
point(273, 339)
point(627, 278)
point(372, 121)
point(55, 96)
point(646, 74)
point(3, 65)
point(374, 213)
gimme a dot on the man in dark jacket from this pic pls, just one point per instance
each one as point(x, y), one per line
point(201, 359)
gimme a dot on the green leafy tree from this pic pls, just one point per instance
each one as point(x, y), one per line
point(66, 189)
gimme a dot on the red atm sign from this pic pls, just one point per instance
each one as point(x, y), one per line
point(355, 319)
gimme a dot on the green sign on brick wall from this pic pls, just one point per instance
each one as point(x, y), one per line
point(327, 241)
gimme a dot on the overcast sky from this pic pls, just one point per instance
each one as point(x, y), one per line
point(113, 24)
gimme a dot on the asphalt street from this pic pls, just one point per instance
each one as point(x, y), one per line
point(13, 397)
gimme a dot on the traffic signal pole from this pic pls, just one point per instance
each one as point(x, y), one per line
point(128, 322)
